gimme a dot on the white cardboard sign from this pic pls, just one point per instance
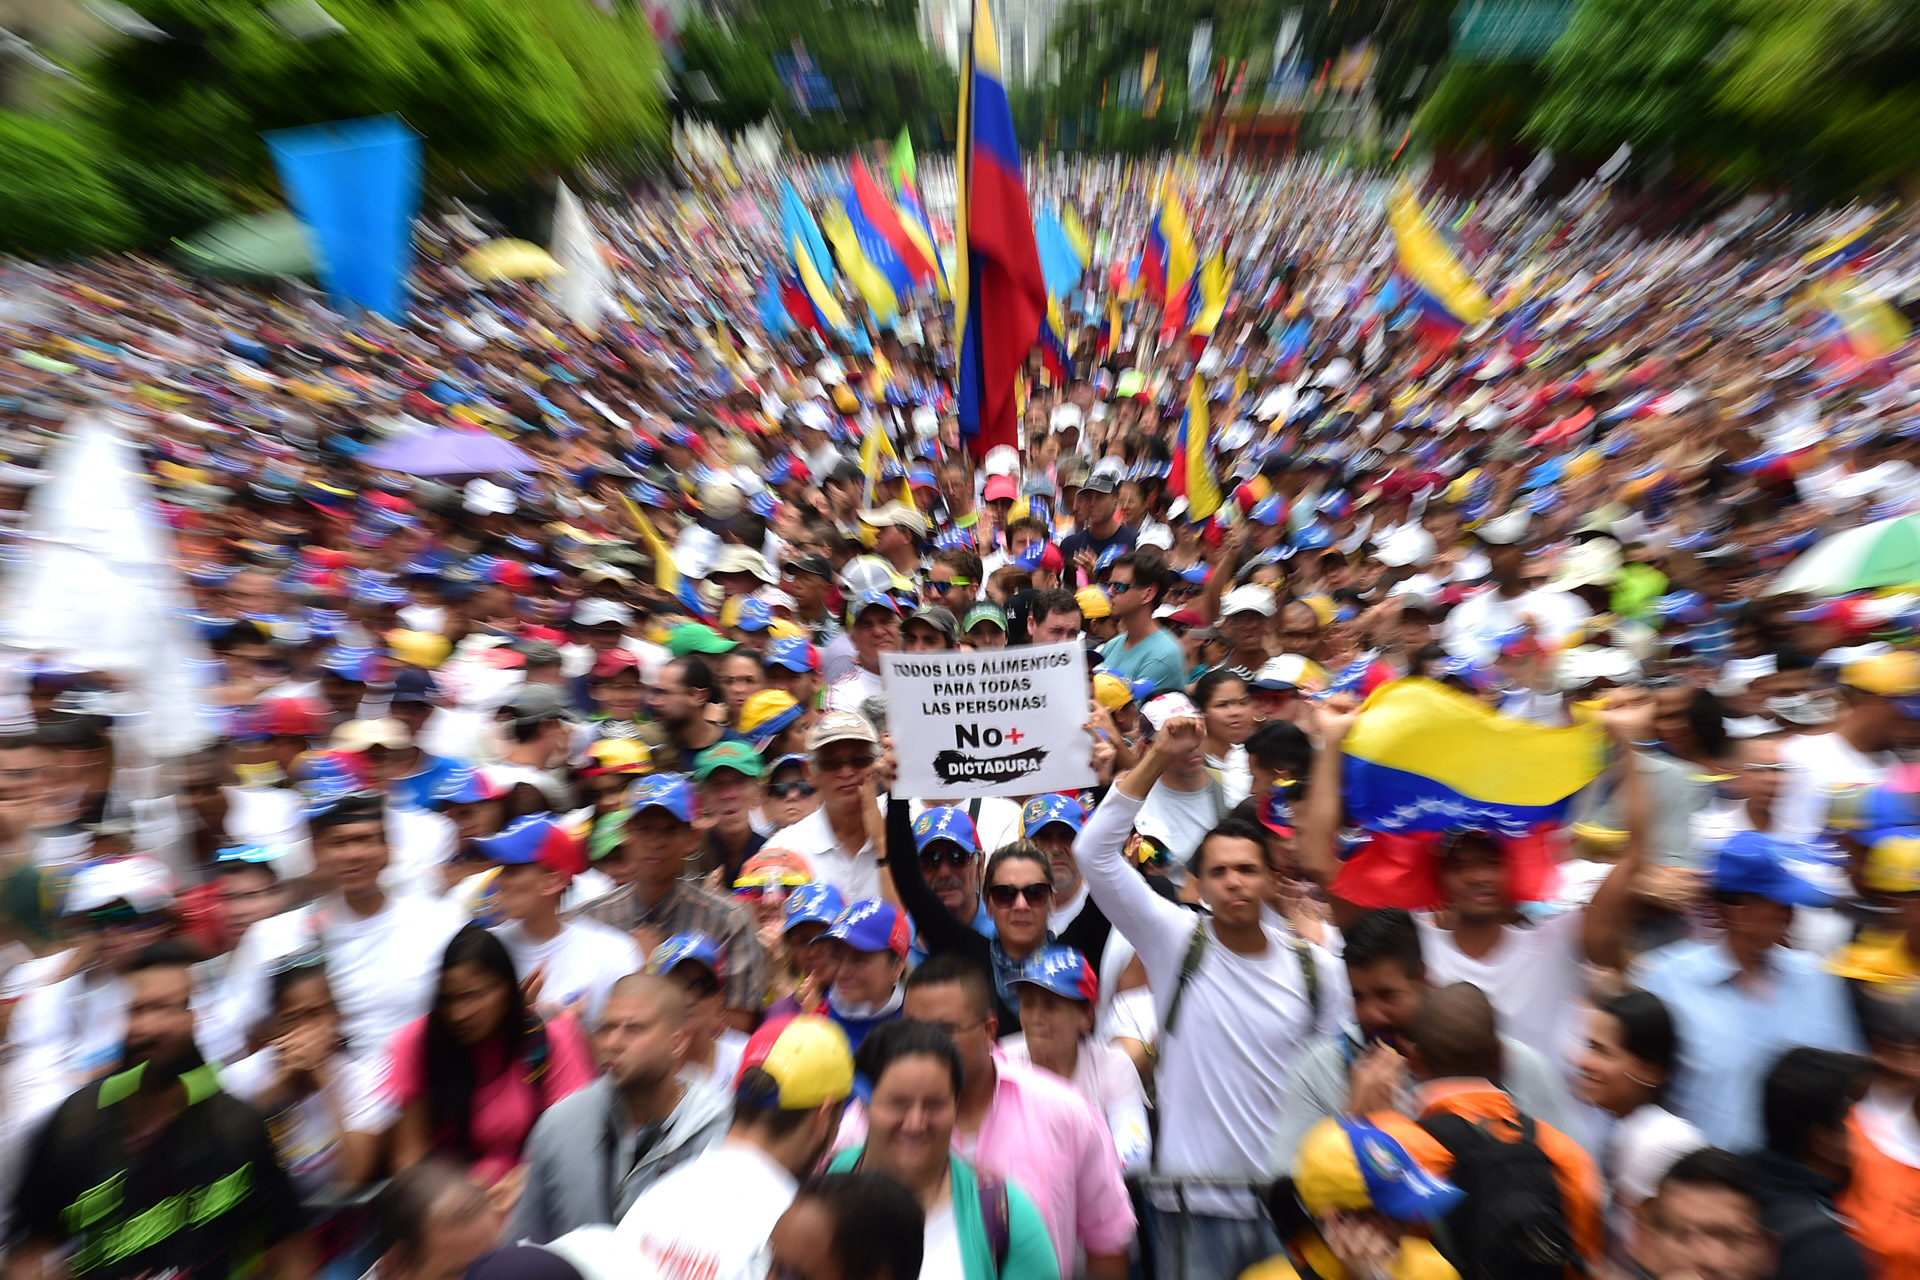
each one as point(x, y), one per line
point(992, 722)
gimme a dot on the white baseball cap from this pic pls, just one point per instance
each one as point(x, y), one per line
point(1252, 598)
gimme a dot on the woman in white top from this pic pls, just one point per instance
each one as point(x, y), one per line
point(1630, 1051)
point(1227, 709)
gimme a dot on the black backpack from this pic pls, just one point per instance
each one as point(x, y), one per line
point(1512, 1225)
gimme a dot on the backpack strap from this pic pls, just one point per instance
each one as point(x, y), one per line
point(1189, 966)
point(1309, 974)
point(996, 1218)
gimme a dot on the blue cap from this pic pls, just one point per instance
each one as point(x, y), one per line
point(1063, 971)
point(255, 853)
point(791, 758)
point(780, 470)
point(669, 791)
point(461, 785)
point(1195, 573)
point(793, 654)
point(350, 664)
point(872, 925)
point(1751, 862)
point(685, 948)
point(812, 903)
point(754, 616)
point(1108, 556)
point(1315, 537)
point(868, 600)
point(921, 477)
point(378, 593)
point(1683, 606)
point(944, 822)
point(534, 838)
point(1029, 559)
point(411, 684)
point(1044, 810)
point(1270, 510)
point(1396, 1183)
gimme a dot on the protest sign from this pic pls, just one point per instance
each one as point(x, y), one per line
point(994, 722)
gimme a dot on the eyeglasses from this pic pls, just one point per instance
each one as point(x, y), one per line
point(952, 1030)
point(784, 790)
point(1005, 895)
point(952, 854)
point(844, 763)
point(941, 588)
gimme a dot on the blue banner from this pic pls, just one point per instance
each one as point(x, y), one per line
point(355, 185)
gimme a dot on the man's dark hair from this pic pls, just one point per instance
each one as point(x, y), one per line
point(1049, 602)
point(889, 1042)
point(1282, 747)
point(1149, 573)
point(1456, 1033)
point(1807, 1089)
point(406, 1207)
point(951, 969)
point(164, 954)
point(1712, 1167)
point(879, 1229)
point(696, 675)
point(1229, 828)
point(1388, 934)
point(1028, 524)
point(964, 563)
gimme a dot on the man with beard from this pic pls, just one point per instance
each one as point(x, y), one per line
point(153, 1170)
point(710, 1218)
point(1359, 1069)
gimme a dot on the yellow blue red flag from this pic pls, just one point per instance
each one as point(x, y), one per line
point(1443, 288)
point(1193, 476)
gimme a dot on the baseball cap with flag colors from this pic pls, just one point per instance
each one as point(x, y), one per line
point(1063, 971)
point(1346, 1163)
point(872, 925)
point(944, 822)
point(795, 1064)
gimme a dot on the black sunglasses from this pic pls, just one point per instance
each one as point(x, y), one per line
point(1005, 895)
point(945, 851)
point(782, 790)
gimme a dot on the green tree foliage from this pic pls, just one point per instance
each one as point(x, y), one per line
point(724, 80)
point(1476, 102)
point(497, 88)
point(56, 200)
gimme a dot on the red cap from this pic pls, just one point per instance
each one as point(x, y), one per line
point(999, 487)
point(1186, 618)
point(512, 575)
point(292, 718)
point(613, 662)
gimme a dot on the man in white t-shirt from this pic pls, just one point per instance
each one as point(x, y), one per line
point(571, 964)
point(383, 952)
point(873, 625)
point(1187, 801)
point(1879, 712)
point(1530, 969)
point(1476, 625)
point(710, 1219)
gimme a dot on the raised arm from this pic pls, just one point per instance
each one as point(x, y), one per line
point(1156, 927)
point(1225, 560)
point(939, 932)
point(1628, 719)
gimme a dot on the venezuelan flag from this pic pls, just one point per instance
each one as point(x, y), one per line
point(875, 451)
point(999, 295)
point(772, 307)
point(1423, 757)
point(1193, 476)
point(1446, 294)
point(1841, 248)
point(1169, 263)
point(1865, 326)
point(1054, 355)
point(1059, 262)
point(1110, 334)
point(868, 260)
point(1214, 285)
point(811, 263)
point(871, 204)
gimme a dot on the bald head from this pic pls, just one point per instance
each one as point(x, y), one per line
point(1455, 1034)
point(662, 996)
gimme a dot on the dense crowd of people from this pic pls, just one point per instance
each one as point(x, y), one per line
point(540, 902)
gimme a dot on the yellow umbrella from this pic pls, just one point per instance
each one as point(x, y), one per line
point(511, 260)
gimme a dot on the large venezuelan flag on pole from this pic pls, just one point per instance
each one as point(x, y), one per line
point(1423, 757)
point(1445, 292)
point(999, 295)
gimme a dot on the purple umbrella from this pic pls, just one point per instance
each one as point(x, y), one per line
point(446, 452)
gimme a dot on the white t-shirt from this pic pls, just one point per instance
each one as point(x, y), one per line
point(940, 1251)
point(578, 965)
point(852, 689)
point(72, 1029)
point(419, 843)
point(383, 968)
point(1180, 818)
point(1643, 1146)
point(710, 1218)
point(1532, 977)
point(728, 1048)
point(307, 1134)
point(1474, 628)
point(1236, 775)
point(271, 817)
point(1824, 764)
point(856, 875)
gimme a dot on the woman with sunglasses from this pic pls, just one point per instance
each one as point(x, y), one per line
point(788, 795)
point(1017, 889)
point(472, 1076)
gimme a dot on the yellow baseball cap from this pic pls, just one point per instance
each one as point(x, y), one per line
point(795, 1065)
point(1093, 603)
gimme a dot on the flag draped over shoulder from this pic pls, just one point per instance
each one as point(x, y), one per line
point(1193, 476)
point(1442, 287)
point(812, 265)
point(1423, 757)
point(999, 295)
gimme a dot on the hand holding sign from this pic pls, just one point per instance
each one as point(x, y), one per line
point(1000, 722)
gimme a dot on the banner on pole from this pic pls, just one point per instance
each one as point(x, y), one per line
point(355, 185)
point(994, 722)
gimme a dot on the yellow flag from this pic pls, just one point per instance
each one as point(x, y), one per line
point(875, 450)
point(666, 575)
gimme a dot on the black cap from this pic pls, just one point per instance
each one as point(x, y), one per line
point(813, 562)
point(1101, 482)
